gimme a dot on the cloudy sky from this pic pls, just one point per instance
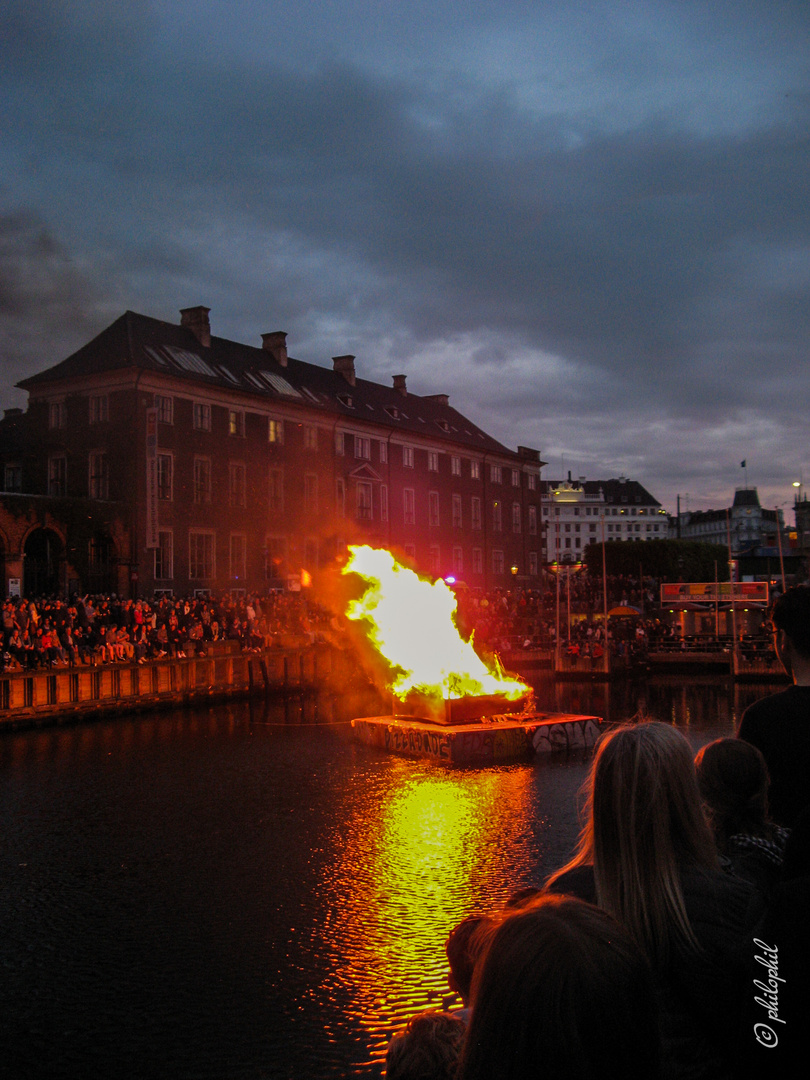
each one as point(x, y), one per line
point(589, 223)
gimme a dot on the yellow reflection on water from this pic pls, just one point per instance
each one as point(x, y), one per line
point(435, 846)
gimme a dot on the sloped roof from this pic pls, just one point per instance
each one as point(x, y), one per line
point(614, 490)
point(746, 497)
point(138, 341)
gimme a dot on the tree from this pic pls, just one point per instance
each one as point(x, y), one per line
point(668, 560)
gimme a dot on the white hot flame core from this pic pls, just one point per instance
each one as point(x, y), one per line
point(411, 625)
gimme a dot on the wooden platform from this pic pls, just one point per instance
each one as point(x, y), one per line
point(491, 741)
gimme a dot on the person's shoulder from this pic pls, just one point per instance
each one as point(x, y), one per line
point(765, 708)
point(578, 881)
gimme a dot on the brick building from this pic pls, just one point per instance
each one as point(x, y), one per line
point(168, 458)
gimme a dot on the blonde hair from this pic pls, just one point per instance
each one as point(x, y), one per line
point(644, 827)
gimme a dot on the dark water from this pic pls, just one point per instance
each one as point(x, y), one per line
point(246, 894)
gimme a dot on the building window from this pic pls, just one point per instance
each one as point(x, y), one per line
point(236, 423)
point(237, 474)
point(57, 414)
point(515, 478)
point(516, 517)
point(475, 512)
point(275, 559)
point(57, 476)
point(497, 521)
point(533, 563)
point(276, 491)
point(433, 461)
point(99, 408)
point(383, 502)
point(532, 481)
point(477, 561)
point(165, 408)
point(310, 437)
point(362, 447)
point(433, 508)
point(407, 457)
point(458, 561)
point(495, 474)
point(200, 555)
point(457, 520)
point(340, 444)
point(383, 453)
point(164, 569)
point(434, 557)
point(99, 475)
point(238, 556)
point(532, 521)
point(311, 493)
point(164, 477)
point(408, 512)
point(340, 497)
point(202, 480)
point(364, 512)
point(202, 417)
point(275, 431)
point(12, 477)
point(497, 561)
point(410, 552)
point(475, 470)
point(455, 466)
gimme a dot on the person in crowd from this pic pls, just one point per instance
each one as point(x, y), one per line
point(561, 990)
point(779, 725)
point(647, 856)
point(427, 1049)
point(463, 947)
point(733, 782)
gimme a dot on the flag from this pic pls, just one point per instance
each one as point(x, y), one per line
point(742, 464)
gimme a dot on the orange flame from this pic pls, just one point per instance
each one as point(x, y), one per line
point(411, 624)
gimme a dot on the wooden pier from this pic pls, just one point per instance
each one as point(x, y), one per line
point(56, 695)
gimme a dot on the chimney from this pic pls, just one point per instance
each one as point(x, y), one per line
point(195, 319)
point(399, 384)
point(15, 411)
point(440, 399)
point(276, 345)
point(345, 366)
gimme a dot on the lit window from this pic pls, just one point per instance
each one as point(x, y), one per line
point(310, 437)
point(275, 431)
point(202, 417)
point(236, 423)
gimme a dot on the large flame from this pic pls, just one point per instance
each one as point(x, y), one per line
point(410, 622)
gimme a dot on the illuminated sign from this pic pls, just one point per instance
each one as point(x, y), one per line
point(711, 592)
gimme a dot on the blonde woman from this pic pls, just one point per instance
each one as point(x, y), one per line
point(646, 855)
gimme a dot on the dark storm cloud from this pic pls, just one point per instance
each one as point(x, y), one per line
point(611, 231)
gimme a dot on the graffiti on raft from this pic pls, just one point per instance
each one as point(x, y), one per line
point(492, 745)
point(572, 735)
point(411, 741)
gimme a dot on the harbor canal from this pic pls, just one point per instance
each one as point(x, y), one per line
point(241, 891)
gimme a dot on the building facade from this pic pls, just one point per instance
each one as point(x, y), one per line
point(198, 463)
point(579, 512)
point(754, 531)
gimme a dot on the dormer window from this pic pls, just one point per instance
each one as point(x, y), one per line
point(392, 411)
point(346, 399)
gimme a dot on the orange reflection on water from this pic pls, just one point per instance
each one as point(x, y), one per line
point(434, 848)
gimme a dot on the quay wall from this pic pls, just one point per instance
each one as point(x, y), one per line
point(59, 695)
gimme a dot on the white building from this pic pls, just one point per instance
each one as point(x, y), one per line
point(580, 512)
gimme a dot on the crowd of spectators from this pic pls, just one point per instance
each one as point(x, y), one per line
point(51, 632)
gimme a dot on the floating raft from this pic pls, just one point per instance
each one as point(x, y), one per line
point(488, 741)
